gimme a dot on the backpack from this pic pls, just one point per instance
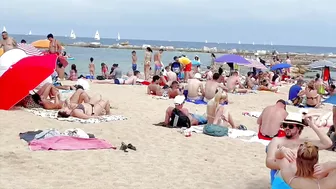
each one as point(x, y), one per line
point(179, 119)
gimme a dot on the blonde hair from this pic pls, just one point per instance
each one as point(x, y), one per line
point(220, 95)
point(307, 157)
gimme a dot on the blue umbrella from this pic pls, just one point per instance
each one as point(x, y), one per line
point(195, 63)
point(232, 58)
point(331, 100)
point(280, 66)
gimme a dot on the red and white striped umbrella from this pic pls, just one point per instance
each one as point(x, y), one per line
point(29, 49)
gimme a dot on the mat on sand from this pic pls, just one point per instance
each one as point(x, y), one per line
point(53, 115)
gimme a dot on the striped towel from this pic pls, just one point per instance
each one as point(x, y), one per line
point(29, 49)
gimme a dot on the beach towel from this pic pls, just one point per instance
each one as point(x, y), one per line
point(53, 115)
point(252, 114)
point(69, 143)
point(201, 102)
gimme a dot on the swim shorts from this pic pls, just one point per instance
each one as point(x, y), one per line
point(188, 67)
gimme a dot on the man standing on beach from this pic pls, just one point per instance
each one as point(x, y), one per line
point(271, 120)
point(7, 43)
point(158, 62)
point(54, 45)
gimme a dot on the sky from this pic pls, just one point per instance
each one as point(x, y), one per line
point(287, 22)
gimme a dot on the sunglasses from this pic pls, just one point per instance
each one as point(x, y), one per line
point(290, 126)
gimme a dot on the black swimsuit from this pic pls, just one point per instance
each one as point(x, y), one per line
point(81, 107)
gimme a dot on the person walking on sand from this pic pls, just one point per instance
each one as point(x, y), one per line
point(158, 62)
point(147, 63)
point(92, 68)
point(7, 43)
point(54, 45)
point(134, 61)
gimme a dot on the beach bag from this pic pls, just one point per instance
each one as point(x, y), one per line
point(215, 130)
point(179, 119)
point(100, 77)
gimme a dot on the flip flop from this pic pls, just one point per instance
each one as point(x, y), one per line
point(123, 147)
point(242, 127)
point(130, 146)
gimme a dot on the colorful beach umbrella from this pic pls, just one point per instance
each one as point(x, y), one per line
point(280, 66)
point(42, 44)
point(29, 49)
point(322, 64)
point(9, 58)
point(256, 64)
point(23, 76)
point(232, 58)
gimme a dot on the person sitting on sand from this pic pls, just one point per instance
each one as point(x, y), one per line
point(174, 90)
point(319, 119)
point(195, 88)
point(211, 87)
point(305, 172)
point(266, 85)
point(283, 147)
point(171, 76)
point(234, 85)
point(132, 80)
point(154, 88)
point(253, 85)
point(313, 98)
point(332, 90)
point(88, 108)
point(208, 74)
point(296, 92)
point(271, 119)
point(179, 109)
point(73, 73)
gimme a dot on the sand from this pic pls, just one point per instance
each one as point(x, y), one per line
point(164, 159)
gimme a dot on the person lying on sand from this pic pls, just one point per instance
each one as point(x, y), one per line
point(217, 114)
point(85, 110)
point(306, 172)
point(234, 85)
point(211, 87)
point(266, 85)
point(132, 80)
point(48, 97)
point(80, 96)
point(174, 90)
point(320, 120)
point(271, 119)
point(181, 114)
point(154, 88)
point(195, 88)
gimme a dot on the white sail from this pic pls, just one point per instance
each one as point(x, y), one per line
point(271, 43)
point(253, 43)
point(206, 41)
point(30, 32)
point(97, 37)
point(118, 37)
point(72, 35)
point(4, 29)
point(239, 42)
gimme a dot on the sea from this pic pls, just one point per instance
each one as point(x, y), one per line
point(123, 56)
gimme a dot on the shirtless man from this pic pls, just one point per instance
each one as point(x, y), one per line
point(286, 147)
point(132, 80)
point(158, 62)
point(154, 88)
point(92, 68)
point(232, 83)
point(208, 74)
point(195, 88)
point(271, 120)
point(171, 76)
point(174, 90)
point(7, 43)
point(54, 45)
point(211, 86)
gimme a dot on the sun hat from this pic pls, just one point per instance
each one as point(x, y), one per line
point(294, 118)
point(198, 76)
point(179, 99)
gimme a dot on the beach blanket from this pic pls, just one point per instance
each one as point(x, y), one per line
point(69, 143)
point(252, 114)
point(201, 102)
point(53, 115)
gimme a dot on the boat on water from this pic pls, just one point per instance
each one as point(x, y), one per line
point(30, 32)
point(97, 36)
point(124, 43)
point(118, 37)
point(4, 29)
point(72, 35)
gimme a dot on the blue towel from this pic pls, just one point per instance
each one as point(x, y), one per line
point(279, 183)
point(201, 102)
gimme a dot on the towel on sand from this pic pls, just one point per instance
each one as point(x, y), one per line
point(201, 102)
point(53, 115)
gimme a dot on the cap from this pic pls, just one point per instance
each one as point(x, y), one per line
point(178, 100)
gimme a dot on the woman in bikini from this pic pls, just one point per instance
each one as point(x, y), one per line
point(313, 98)
point(84, 107)
point(305, 172)
point(148, 60)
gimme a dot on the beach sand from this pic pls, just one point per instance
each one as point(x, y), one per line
point(164, 159)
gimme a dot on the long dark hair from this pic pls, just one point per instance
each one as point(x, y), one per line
point(73, 67)
point(149, 49)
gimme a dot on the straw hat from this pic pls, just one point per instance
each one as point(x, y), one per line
point(294, 118)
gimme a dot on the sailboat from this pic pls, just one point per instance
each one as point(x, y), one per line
point(97, 37)
point(271, 43)
point(4, 29)
point(30, 33)
point(253, 43)
point(118, 37)
point(206, 41)
point(239, 42)
point(72, 35)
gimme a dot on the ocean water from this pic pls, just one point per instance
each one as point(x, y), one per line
point(123, 56)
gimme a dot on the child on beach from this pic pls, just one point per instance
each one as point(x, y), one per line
point(134, 61)
point(104, 70)
point(92, 68)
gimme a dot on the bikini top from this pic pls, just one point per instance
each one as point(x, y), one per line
point(317, 182)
